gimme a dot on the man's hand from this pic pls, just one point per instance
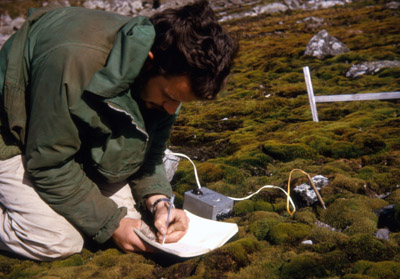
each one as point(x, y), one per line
point(178, 224)
point(178, 221)
point(127, 240)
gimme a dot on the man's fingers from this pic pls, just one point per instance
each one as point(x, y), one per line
point(177, 228)
point(172, 237)
point(127, 240)
point(181, 224)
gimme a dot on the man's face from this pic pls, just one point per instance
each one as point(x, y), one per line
point(166, 93)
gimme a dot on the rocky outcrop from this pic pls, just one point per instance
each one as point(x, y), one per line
point(394, 5)
point(306, 193)
point(323, 45)
point(258, 10)
point(124, 7)
point(171, 163)
point(251, 8)
point(322, 4)
point(312, 22)
point(370, 67)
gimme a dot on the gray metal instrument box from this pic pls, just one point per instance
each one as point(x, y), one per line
point(207, 203)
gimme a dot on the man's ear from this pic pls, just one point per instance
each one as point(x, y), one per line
point(151, 55)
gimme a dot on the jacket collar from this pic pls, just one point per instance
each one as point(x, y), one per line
point(126, 59)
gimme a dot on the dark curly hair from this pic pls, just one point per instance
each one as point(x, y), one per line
point(189, 40)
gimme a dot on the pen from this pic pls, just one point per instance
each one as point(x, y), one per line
point(171, 205)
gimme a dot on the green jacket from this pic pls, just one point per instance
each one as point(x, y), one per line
point(69, 105)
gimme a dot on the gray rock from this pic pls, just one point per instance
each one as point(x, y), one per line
point(171, 163)
point(370, 67)
point(292, 4)
point(5, 20)
point(258, 10)
point(307, 193)
point(323, 225)
point(270, 8)
point(312, 22)
point(57, 2)
point(16, 23)
point(8, 26)
point(323, 45)
point(382, 234)
point(97, 4)
point(124, 7)
point(394, 5)
point(323, 4)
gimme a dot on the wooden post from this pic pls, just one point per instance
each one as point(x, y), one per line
point(357, 97)
point(310, 92)
point(341, 98)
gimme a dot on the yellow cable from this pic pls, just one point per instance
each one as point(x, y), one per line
point(312, 184)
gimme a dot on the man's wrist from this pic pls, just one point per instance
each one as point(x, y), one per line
point(156, 201)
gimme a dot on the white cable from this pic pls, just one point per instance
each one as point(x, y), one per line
point(264, 187)
point(235, 199)
point(194, 167)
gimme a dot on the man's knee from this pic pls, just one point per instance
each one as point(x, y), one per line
point(43, 244)
point(64, 245)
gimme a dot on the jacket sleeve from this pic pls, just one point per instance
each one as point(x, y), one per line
point(151, 178)
point(53, 141)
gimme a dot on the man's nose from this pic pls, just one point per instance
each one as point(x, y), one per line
point(171, 106)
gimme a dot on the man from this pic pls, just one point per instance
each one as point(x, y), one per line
point(88, 99)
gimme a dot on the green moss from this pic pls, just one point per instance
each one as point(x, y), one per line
point(288, 233)
point(210, 172)
point(25, 269)
point(184, 270)
point(321, 144)
point(266, 261)
point(362, 225)
point(233, 175)
point(107, 259)
point(394, 197)
point(368, 143)
point(243, 207)
point(394, 238)
point(6, 265)
point(263, 205)
point(367, 172)
point(335, 263)
point(376, 203)
point(326, 235)
point(288, 152)
point(342, 213)
point(364, 246)
point(344, 149)
point(383, 269)
point(257, 215)
point(254, 162)
point(229, 258)
point(262, 227)
point(74, 260)
point(307, 263)
point(357, 276)
point(354, 185)
point(305, 217)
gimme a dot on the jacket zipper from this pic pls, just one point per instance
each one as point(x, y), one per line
point(133, 121)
